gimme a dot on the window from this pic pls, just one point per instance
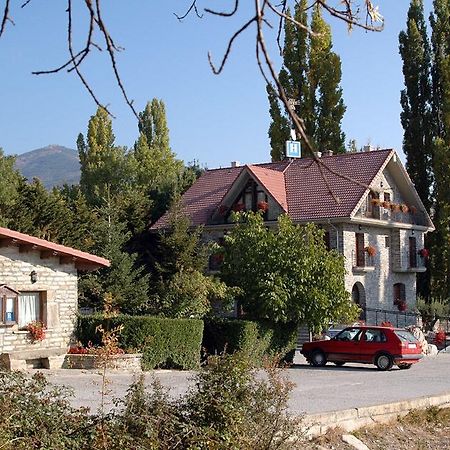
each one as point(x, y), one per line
point(30, 308)
point(349, 334)
point(412, 252)
point(374, 335)
point(360, 260)
point(387, 241)
point(250, 197)
point(399, 293)
point(21, 308)
point(8, 305)
point(387, 197)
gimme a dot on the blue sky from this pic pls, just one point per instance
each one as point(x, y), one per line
point(213, 119)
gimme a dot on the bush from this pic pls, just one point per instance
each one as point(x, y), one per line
point(227, 407)
point(165, 343)
point(255, 338)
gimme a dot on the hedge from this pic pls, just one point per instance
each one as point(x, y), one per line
point(258, 338)
point(165, 343)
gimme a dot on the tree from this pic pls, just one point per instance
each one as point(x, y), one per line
point(416, 101)
point(104, 166)
point(125, 279)
point(183, 289)
point(310, 76)
point(286, 274)
point(440, 262)
point(9, 184)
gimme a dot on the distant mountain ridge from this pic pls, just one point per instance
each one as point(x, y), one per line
point(54, 165)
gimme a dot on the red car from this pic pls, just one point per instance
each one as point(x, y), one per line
point(381, 346)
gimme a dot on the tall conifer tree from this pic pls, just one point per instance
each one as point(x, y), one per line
point(311, 76)
point(440, 39)
point(416, 101)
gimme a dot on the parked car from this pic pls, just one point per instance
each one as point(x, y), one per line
point(382, 346)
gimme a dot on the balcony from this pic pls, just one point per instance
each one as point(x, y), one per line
point(362, 262)
point(408, 263)
point(380, 213)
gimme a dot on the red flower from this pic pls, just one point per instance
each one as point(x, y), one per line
point(424, 253)
point(36, 330)
point(263, 206)
point(371, 250)
point(239, 207)
point(401, 305)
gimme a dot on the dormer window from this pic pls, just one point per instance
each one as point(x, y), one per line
point(249, 199)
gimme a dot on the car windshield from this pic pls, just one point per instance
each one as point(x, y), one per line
point(405, 336)
point(349, 334)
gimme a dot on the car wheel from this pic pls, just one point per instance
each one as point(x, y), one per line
point(404, 366)
point(339, 363)
point(384, 361)
point(318, 358)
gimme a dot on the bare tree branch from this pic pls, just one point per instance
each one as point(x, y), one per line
point(5, 18)
point(222, 13)
point(192, 7)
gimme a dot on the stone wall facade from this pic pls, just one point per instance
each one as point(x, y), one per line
point(57, 285)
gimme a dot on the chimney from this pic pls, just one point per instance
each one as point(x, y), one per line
point(235, 163)
point(318, 154)
point(328, 153)
point(367, 148)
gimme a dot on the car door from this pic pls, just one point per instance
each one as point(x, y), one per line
point(373, 341)
point(345, 346)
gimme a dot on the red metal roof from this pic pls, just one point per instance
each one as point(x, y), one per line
point(84, 260)
point(297, 185)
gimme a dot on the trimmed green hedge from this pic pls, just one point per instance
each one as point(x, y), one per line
point(257, 338)
point(165, 343)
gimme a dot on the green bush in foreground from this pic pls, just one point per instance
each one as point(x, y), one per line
point(228, 407)
point(259, 339)
point(167, 343)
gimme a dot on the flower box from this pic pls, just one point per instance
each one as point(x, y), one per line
point(263, 206)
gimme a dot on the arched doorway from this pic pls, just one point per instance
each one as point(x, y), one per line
point(359, 297)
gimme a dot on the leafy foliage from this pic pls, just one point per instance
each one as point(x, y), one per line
point(167, 343)
point(258, 339)
point(287, 274)
point(183, 290)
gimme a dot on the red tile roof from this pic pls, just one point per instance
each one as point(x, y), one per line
point(273, 181)
point(296, 185)
point(81, 259)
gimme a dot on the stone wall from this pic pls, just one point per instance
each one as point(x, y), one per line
point(378, 277)
point(58, 284)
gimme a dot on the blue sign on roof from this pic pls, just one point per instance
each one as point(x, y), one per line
point(293, 149)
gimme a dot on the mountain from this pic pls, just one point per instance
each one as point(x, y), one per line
point(54, 165)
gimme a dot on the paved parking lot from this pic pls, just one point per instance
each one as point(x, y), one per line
point(329, 388)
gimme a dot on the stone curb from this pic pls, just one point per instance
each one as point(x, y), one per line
point(354, 418)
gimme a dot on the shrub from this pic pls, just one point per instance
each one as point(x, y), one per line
point(227, 407)
point(255, 338)
point(166, 343)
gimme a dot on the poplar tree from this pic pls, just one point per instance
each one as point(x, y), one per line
point(416, 101)
point(103, 164)
point(440, 39)
point(311, 76)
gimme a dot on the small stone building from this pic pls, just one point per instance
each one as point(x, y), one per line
point(365, 202)
point(38, 284)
